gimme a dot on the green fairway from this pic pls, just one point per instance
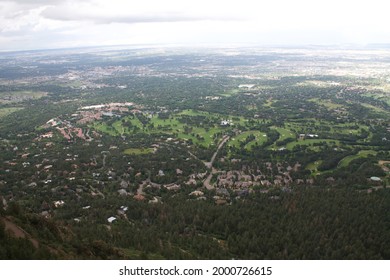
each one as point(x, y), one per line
point(310, 142)
point(191, 112)
point(260, 138)
point(284, 133)
point(199, 133)
point(361, 154)
point(347, 128)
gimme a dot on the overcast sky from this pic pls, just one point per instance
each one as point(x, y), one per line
point(41, 24)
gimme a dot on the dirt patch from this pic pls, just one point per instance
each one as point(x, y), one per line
point(18, 232)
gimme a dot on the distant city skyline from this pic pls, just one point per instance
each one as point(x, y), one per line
point(50, 24)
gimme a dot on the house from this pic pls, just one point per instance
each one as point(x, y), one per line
point(226, 122)
point(312, 135)
point(154, 200)
point(122, 192)
point(197, 193)
point(265, 183)
point(124, 184)
point(45, 214)
point(172, 187)
point(59, 203)
point(124, 208)
point(222, 192)
point(191, 182)
point(32, 185)
point(111, 219)
point(139, 197)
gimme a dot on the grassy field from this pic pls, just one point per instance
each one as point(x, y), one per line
point(102, 127)
point(361, 154)
point(6, 111)
point(198, 134)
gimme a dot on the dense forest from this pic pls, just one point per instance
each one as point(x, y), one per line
point(320, 223)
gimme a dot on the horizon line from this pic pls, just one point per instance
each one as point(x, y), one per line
point(209, 45)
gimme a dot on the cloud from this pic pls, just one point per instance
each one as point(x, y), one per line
point(33, 2)
point(34, 23)
point(118, 11)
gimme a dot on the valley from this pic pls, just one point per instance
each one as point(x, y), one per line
point(209, 153)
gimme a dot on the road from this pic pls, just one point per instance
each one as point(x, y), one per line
point(209, 164)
